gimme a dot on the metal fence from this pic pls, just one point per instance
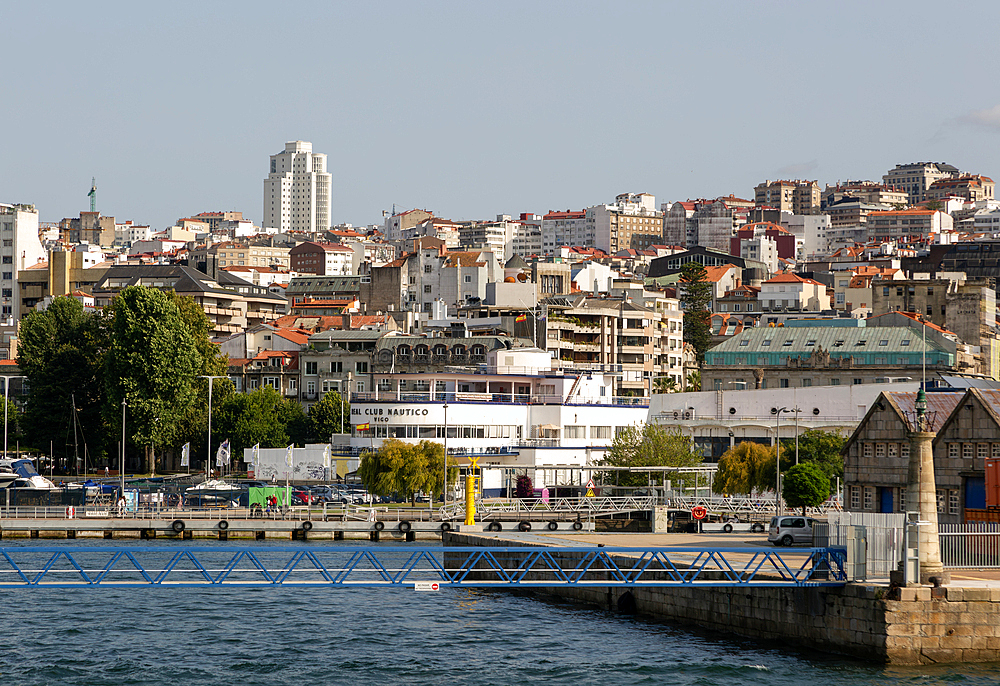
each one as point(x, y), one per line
point(884, 534)
point(973, 545)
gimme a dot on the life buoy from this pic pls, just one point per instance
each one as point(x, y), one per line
point(405, 527)
point(495, 526)
point(70, 512)
point(524, 526)
point(577, 526)
point(177, 525)
point(307, 525)
point(223, 525)
point(699, 512)
point(553, 526)
point(379, 526)
point(445, 526)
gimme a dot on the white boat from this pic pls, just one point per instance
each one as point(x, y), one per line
point(21, 473)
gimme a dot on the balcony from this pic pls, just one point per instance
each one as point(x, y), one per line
point(291, 392)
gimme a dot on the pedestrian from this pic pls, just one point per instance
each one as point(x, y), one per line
point(121, 505)
point(274, 478)
point(107, 471)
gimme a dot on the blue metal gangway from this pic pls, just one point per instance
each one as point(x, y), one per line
point(346, 566)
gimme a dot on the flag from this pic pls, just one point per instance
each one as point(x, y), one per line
point(363, 427)
point(521, 318)
point(186, 455)
point(288, 455)
point(255, 456)
point(326, 457)
point(222, 455)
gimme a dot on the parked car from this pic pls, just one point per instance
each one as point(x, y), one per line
point(790, 530)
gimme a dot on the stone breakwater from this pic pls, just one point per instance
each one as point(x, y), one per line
point(868, 621)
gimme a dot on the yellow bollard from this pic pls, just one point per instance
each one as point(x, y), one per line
point(470, 494)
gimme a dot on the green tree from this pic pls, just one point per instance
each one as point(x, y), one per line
point(260, 416)
point(151, 363)
point(61, 350)
point(325, 417)
point(693, 382)
point(399, 468)
point(745, 468)
point(820, 447)
point(805, 485)
point(665, 385)
point(696, 298)
point(648, 445)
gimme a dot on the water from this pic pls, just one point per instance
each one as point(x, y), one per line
point(242, 636)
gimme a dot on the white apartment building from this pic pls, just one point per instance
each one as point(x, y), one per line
point(566, 228)
point(128, 233)
point(761, 248)
point(528, 236)
point(497, 237)
point(614, 225)
point(453, 278)
point(811, 233)
point(297, 190)
point(20, 249)
point(793, 292)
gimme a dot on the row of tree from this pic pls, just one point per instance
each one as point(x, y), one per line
point(147, 356)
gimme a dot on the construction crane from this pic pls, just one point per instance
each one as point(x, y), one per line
point(93, 194)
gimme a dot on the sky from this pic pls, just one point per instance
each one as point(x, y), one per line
point(473, 109)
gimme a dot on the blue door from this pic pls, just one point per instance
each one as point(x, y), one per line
point(885, 500)
point(975, 493)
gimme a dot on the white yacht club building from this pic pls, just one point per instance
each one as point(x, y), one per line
point(516, 412)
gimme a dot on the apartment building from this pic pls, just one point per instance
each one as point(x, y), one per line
point(791, 292)
point(297, 190)
point(917, 177)
point(679, 227)
point(797, 197)
point(810, 232)
point(322, 259)
point(613, 226)
point(431, 274)
point(972, 187)
point(19, 250)
point(907, 226)
point(566, 228)
point(496, 236)
point(868, 192)
point(338, 361)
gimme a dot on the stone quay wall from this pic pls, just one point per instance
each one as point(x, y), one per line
point(866, 621)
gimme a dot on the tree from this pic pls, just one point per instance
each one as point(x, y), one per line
point(693, 382)
point(61, 350)
point(665, 385)
point(399, 468)
point(151, 363)
point(805, 485)
point(745, 468)
point(648, 445)
point(820, 447)
point(524, 487)
point(260, 416)
point(696, 298)
point(325, 417)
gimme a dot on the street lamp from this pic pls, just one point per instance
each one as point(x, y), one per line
point(122, 474)
point(6, 385)
point(444, 489)
point(777, 457)
point(210, 378)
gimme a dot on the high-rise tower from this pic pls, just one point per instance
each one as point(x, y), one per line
point(297, 190)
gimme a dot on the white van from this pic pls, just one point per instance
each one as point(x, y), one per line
point(790, 530)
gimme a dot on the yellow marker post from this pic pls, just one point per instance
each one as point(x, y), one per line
point(470, 493)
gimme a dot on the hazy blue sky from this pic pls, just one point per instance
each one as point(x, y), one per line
point(471, 109)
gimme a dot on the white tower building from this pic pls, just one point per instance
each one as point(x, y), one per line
point(20, 249)
point(297, 190)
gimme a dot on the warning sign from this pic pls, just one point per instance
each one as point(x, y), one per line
point(590, 488)
point(426, 586)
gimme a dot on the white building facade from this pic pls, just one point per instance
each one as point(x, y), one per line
point(20, 249)
point(297, 190)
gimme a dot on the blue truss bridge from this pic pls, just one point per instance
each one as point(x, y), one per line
point(413, 566)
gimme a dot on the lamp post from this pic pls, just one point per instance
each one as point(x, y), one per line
point(777, 458)
point(444, 489)
point(122, 474)
point(208, 462)
point(796, 410)
point(6, 385)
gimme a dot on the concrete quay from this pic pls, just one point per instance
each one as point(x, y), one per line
point(185, 526)
point(867, 620)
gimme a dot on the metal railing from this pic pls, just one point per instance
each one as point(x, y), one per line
point(481, 397)
point(884, 534)
point(973, 545)
point(430, 568)
point(588, 507)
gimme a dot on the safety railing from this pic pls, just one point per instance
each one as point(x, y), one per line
point(429, 568)
point(589, 507)
point(973, 545)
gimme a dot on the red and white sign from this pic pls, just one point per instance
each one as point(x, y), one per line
point(70, 512)
point(699, 512)
point(426, 586)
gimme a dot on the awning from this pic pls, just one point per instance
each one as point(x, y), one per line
point(549, 427)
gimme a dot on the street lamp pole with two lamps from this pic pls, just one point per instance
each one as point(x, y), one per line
point(777, 457)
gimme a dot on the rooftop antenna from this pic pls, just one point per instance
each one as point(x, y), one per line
point(93, 194)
